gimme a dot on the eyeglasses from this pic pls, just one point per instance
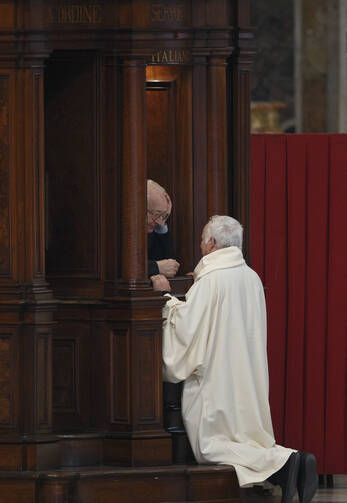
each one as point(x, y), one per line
point(159, 214)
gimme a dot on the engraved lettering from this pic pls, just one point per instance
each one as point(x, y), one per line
point(171, 56)
point(160, 13)
point(75, 14)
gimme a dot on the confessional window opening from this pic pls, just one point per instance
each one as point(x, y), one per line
point(169, 149)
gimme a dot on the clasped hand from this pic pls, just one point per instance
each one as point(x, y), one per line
point(160, 283)
point(168, 267)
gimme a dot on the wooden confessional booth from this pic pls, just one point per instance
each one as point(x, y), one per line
point(95, 97)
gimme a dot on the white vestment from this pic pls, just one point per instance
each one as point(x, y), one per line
point(215, 341)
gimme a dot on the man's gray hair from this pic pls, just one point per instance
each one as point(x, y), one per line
point(226, 231)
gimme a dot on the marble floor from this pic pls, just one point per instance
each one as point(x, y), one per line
point(336, 494)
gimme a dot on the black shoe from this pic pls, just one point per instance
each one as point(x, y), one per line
point(307, 478)
point(287, 477)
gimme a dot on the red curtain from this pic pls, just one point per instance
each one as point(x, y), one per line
point(299, 249)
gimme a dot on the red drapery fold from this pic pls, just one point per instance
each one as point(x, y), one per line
point(299, 249)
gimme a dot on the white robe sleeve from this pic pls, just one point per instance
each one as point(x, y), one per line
point(185, 333)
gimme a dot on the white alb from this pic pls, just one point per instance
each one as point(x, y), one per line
point(215, 341)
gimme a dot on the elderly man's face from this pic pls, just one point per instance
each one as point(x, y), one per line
point(158, 211)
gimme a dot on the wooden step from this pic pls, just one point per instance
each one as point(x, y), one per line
point(105, 484)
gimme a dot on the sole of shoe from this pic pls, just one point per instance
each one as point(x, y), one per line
point(289, 490)
point(307, 478)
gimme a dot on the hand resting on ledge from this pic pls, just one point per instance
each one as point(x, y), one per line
point(160, 283)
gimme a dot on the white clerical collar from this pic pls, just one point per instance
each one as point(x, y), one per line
point(161, 229)
point(219, 259)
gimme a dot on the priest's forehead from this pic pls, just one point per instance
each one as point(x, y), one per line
point(157, 201)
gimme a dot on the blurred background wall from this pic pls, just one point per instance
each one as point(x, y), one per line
point(299, 78)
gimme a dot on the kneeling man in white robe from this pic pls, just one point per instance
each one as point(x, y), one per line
point(215, 342)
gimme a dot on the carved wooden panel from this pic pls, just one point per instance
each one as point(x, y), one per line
point(7, 380)
point(65, 366)
point(4, 177)
point(44, 379)
point(72, 361)
point(73, 215)
point(120, 376)
point(169, 111)
point(149, 382)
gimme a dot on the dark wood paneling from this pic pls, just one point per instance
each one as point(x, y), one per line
point(73, 234)
point(35, 403)
point(212, 486)
point(134, 171)
point(14, 491)
point(6, 385)
point(4, 176)
point(81, 449)
point(8, 380)
point(147, 350)
point(138, 451)
point(109, 158)
point(44, 379)
point(120, 397)
point(161, 128)
point(65, 367)
point(200, 150)
point(217, 172)
point(71, 376)
point(218, 12)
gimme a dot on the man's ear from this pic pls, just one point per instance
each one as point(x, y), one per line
point(168, 200)
point(211, 244)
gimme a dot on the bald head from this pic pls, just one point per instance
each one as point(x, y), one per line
point(158, 205)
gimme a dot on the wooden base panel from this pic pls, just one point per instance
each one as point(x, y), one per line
point(174, 484)
point(23, 456)
point(138, 452)
point(81, 450)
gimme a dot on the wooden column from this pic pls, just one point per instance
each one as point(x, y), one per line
point(134, 412)
point(200, 148)
point(26, 316)
point(217, 168)
point(134, 184)
point(241, 64)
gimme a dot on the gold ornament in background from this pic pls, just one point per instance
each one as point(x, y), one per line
point(265, 116)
